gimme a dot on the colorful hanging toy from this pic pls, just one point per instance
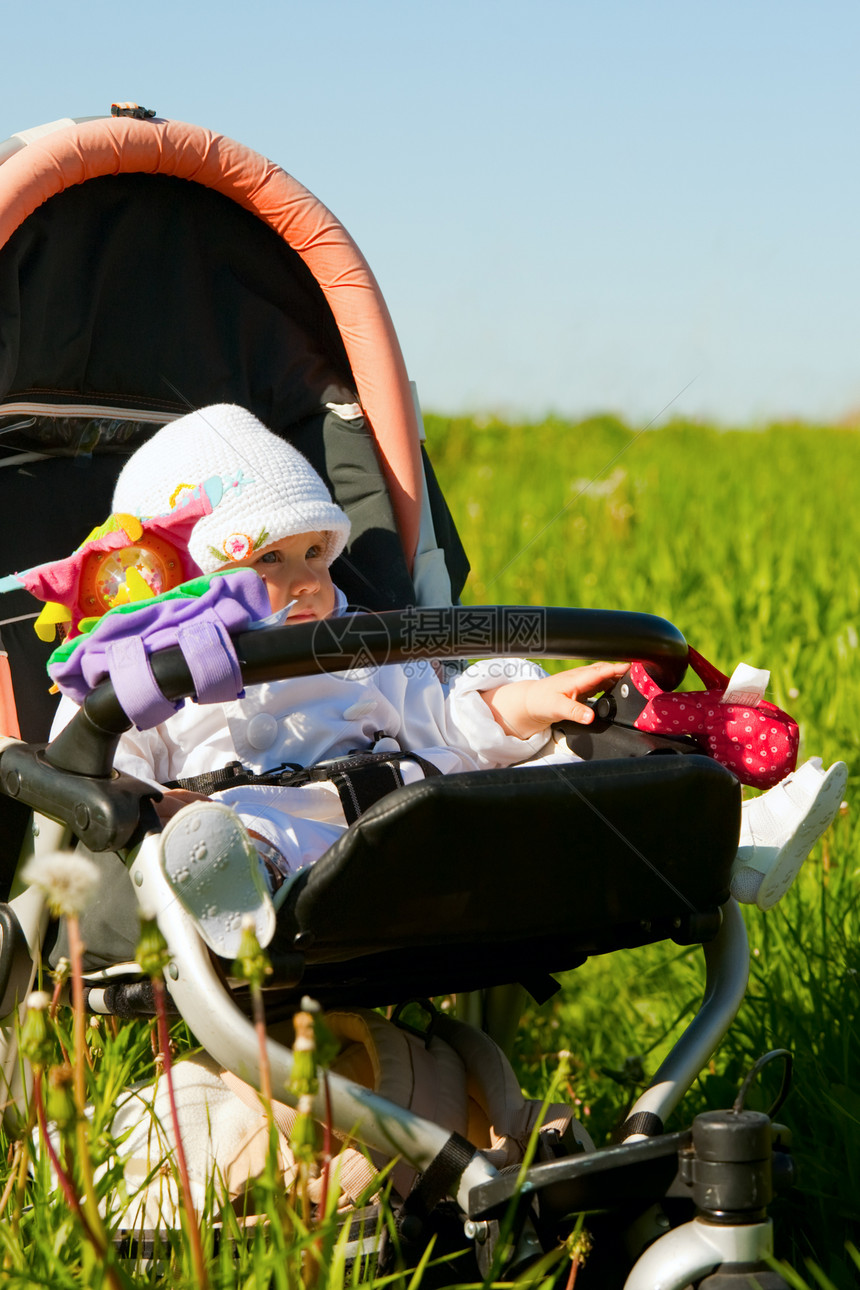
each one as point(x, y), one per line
point(125, 560)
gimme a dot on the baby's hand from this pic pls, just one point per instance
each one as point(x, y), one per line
point(523, 708)
point(173, 800)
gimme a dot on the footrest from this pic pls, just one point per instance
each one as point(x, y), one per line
point(639, 1172)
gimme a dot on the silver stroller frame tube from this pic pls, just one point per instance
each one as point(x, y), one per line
point(227, 1034)
point(727, 961)
point(677, 1259)
point(688, 1252)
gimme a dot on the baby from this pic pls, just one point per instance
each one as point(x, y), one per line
point(273, 514)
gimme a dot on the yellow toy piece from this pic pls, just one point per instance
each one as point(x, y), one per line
point(49, 619)
point(133, 589)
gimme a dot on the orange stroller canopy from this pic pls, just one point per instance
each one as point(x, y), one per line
point(76, 153)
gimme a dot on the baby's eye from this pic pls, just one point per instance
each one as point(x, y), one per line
point(314, 552)
point(270, 557)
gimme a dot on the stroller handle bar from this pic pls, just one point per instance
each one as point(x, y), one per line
point(73, 779)
point(467, 631)
point(396, 636)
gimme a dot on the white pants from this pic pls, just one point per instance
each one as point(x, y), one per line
point(287, 822)
point(302, 823)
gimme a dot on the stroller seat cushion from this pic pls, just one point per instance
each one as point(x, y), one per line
point(499, 866)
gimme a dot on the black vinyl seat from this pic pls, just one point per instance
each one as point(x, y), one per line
point(497, 876)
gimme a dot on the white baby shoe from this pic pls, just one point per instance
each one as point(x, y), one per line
point(780, 828)
point(217, 875)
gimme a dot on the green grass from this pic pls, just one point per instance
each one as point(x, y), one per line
point(746, 541)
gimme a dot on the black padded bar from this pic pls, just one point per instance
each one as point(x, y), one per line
point(88, 743)
point(464, 631)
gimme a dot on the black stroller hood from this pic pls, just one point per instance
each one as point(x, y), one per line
point(151, 294)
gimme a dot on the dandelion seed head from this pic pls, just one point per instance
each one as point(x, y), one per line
point(68, 881)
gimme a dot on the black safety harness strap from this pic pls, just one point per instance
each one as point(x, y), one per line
point(438, 1180)
point(440, 1177)
point(233, 775)
point(361, 778)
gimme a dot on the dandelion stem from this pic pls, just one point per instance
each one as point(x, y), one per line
point(17, 1183)
point(326, 1169)
point(63, 1178)
point(189, 1212)
point(260, 1027)
point(79, 1018)
point(259, 1014)
point(252, 965)
point(61, 974)
point(326, 1151)
point(17, 1148)
point(97, 1239)
point(85, 1164)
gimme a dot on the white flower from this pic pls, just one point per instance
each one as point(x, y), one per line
point(605, 488)
point(68, 881)
point(39, 1000)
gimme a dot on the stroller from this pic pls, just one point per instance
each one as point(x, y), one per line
point(148, 267)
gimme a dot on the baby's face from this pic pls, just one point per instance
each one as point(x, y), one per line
point(294, 568)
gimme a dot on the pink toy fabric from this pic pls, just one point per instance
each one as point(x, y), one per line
point(758, 744)
point(60, 579)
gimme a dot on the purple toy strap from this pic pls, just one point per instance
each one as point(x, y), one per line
point(200, 622)
point(211, 659)
point(134, 684)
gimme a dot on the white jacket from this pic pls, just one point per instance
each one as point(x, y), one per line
point(308, 719)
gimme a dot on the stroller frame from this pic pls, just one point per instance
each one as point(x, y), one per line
point(200, 994)
point(71, 784)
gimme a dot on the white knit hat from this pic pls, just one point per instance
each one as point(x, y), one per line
point(260, 488)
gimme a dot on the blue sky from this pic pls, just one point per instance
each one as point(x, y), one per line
point(648, 208)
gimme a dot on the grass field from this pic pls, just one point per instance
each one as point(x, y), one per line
point(745, 540)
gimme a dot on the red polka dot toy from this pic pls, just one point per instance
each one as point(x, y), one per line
point(758, 743)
